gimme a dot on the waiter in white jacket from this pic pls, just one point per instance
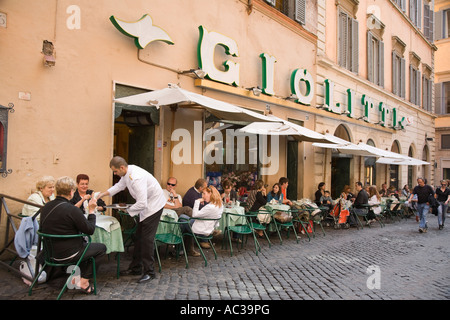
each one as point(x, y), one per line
point(150, 201)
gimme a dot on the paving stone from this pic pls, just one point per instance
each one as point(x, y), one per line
point(411, 265)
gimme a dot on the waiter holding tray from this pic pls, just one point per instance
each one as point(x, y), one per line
point(150, 201)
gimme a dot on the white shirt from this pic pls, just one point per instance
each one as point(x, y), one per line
point(144, 188)
point(374, 200)
point(37, 198)
point(210, 211)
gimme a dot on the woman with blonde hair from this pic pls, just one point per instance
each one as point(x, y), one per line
point(212, 209)
point(45, 188)
point(375, 201)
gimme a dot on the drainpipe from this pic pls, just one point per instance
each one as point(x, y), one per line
point(249, 7)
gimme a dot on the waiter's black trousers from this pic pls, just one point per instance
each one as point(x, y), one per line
point(143, 255)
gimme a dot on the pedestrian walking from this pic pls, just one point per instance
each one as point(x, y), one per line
point(150, 201)
point(442, 196)
point(425, 194)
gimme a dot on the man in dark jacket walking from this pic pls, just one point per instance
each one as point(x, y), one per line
point(423, 192)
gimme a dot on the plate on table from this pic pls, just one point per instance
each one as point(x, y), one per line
point(119, 206)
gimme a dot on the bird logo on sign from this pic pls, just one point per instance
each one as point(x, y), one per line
point(143, 31)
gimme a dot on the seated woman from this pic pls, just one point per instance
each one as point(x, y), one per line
point(83, 194)
point(229, 194)
point(319, 193)
point(45, 188)
point(346, 193)
point(260, 197)
point(275, 194)
point(212, 210)
point(374, 199)
point(60, 217)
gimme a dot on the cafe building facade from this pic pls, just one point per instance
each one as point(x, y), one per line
point(276, 58)
point(375, 73)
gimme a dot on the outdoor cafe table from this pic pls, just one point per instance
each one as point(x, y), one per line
point(234, 220)
point(168, 215)
point(109, 232)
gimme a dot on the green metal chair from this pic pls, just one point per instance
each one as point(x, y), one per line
point(387, 212)
point(129, 225)
point(298, 217)
point(361, 212)
point(171, 235)
point(287, 225)
point(258, 221)
point(47, 241)
point(244, 229)
point(208, 238)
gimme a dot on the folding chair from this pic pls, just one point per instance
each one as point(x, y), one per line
point(47, 241)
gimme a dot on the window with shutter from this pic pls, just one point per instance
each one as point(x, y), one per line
point(381, 64)
point(395, 74)
point(348, 42)
point(375, 60)
point(300, 11)
point(439, 28)
point(402, 77)
point(355, 46)
point(414, 85)
point(398, 75)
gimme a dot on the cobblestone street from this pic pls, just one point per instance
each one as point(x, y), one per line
point(411, 266)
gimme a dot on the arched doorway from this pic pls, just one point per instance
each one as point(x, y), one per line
point(394, 169)
point(411, 177)
point(340, 165)
point(370, 167)
point(426, 170)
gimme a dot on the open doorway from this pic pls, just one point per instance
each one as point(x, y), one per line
point(134, 134)
point(340, 165)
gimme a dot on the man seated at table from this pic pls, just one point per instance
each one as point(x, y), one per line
point(194, 193)
point(174, 201)
point(361, 199)
point(284, 182)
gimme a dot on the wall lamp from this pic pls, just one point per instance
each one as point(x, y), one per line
point(362, 118)
point(48, 51)
point(379, 122)
point(256, 90)
point(199, 73)
point(345, 112)
point(291, 97)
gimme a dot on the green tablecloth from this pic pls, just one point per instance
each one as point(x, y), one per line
point(163, 228)
point(108, 232)
point(234, 220)
point(274, 207)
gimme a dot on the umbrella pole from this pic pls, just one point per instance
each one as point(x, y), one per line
point(173, 108)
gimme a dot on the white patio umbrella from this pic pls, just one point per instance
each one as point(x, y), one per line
point(405, 161)
point(344, 146)
point(283, 127)
point(175, 95)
